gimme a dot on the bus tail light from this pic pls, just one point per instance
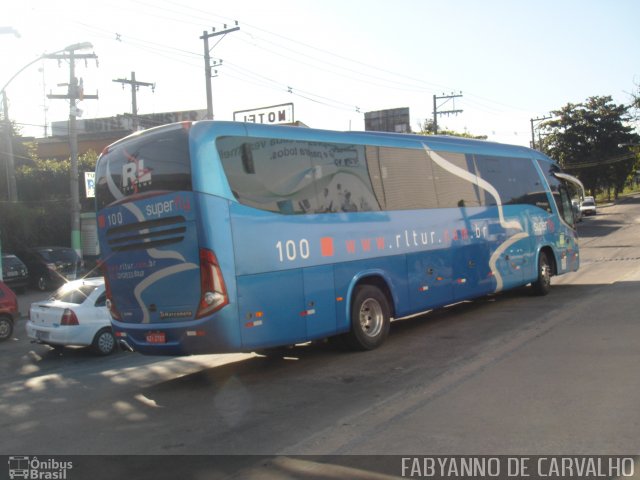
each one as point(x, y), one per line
point(213, 292)
point(107, 288)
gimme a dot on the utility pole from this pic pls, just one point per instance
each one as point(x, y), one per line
point(12, 191)
point(135, 84)
point(533, 137)
point(446, 112)
point(207, 62)
point(75, 92)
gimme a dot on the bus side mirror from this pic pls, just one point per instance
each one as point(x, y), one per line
point(247, 159)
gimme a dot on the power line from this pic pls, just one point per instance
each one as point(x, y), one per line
point(195, 16)
point(608, 161)
point(184, 14)
point(305, 94)
point(160, 49)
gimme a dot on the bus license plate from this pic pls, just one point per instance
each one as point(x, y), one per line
point(156, 337)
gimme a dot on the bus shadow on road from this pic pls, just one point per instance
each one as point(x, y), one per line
point(465, 326)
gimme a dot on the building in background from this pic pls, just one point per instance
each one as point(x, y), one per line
point(97, 133)
point(396, 120)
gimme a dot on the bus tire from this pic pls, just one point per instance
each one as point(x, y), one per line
point(542, 285)
point(370, 318)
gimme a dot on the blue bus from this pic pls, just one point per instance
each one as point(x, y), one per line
point(226, 236)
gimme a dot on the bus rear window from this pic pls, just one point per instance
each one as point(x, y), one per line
point(155, 161)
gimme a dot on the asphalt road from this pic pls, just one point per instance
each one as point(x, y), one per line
point(507, 374)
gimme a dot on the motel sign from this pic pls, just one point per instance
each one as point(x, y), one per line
point(272, 115)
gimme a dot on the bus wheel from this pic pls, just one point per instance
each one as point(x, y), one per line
point(543, 284)
point(370, 318)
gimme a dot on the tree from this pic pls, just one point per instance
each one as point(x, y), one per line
point(48, 179)
point(427, 129)
point(41, 217)
point(22, 154)
point(590, 140)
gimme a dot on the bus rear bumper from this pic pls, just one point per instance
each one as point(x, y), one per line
point(188, 338)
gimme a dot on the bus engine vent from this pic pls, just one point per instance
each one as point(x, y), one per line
point(147, 234)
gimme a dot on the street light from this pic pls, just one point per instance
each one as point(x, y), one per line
point(10, 167)
point(78, 46)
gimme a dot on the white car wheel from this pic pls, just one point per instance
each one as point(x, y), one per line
point(104, 342)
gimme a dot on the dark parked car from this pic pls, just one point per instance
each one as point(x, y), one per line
point(14, 272)
point(50, 267)
point(8, 311)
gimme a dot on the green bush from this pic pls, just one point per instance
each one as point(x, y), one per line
point(29, 224)
point(42, 216)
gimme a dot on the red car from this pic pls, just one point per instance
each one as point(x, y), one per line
point(8, 311)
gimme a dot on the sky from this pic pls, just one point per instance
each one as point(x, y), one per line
point(333, 59)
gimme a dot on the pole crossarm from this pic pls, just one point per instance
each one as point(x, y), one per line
point(207, 35)
point(447, 98)
point(539, 119)
point(69, 56)
point(134, 88)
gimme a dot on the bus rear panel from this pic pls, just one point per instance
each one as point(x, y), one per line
point(162, 287)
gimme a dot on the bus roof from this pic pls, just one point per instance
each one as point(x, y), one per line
point(407, 140)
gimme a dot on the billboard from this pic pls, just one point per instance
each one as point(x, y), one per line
point(90, 184)
point(392, 120)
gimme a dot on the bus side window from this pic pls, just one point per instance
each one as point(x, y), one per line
point(452, 190)
point(341, 178)
point(407, 179)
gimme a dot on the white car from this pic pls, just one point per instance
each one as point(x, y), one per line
point(588, 206)
point(76, 314)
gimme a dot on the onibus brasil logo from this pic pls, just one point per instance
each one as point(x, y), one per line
point(36, 469)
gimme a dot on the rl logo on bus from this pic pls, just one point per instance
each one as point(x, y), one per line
point(134, 174)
